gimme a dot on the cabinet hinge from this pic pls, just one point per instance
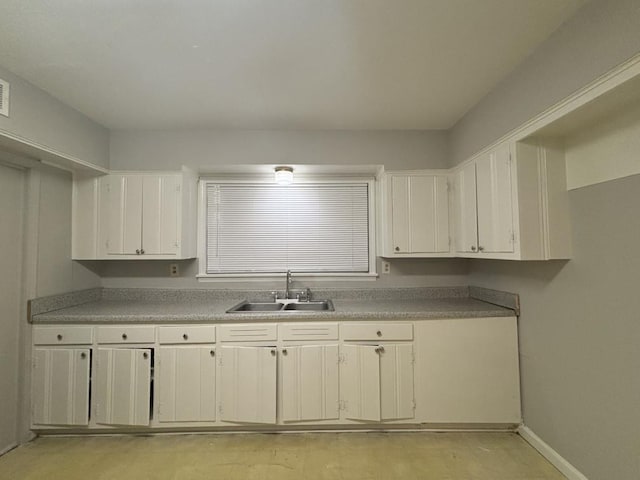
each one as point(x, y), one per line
point(341, 358)
point(342, 405)
point(414, 403)
point(413, 361)
point(220, 409)
point(513, 237)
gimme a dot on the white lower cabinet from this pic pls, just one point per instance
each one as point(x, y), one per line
point(60, 386)
point(186, 384)
point(248, 384)
point(469, 370)
point(309, 383)
point(377, 382)
point(123, 386)
point(431, 371)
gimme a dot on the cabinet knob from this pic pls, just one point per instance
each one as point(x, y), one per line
point(124, 336)
point(473, 248)
point(145, 355)
point(137, 251)
point(284, 351)
point(83, 355)
point(142, 251)
point(185, 336)
point(273, 352)
point(397, 249)
point(212, 353)
point(59, 337)
point(480, 249)
point(380, 349)
point(379, 333)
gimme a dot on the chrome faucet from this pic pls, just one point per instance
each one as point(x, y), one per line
point(287, 283)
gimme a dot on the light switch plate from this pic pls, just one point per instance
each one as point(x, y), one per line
point(386, 267)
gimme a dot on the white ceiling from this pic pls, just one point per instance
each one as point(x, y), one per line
point(301, 64)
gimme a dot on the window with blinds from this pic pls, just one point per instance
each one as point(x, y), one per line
point(314, 228)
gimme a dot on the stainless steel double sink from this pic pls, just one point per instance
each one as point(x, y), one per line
point(282, 307)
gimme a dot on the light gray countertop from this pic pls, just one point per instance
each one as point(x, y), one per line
point(118, 311)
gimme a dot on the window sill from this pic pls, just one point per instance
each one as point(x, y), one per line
point(269, 277)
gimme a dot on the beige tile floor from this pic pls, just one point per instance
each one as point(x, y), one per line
point(353, 456)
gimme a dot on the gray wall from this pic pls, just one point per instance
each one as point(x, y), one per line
point(579, 330)
point(39, 118)
point(580, 334)
point(56, 272)
point(404, 272)
point(12, 188)
point(600, 36)
point(160, 150)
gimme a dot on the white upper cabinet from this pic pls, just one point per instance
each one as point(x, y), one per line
point(511, 203)
point(495, 201)
point(465, 209)
point(135, 216)
point(415, 215)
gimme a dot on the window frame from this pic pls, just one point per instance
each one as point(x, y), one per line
point(203, 276)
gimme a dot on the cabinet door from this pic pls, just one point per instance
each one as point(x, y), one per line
point(465, 211)
point(187, 384)
point(123, 386)
point(396, 382)
point(470, 370)
point(160, 211)
point(420, 213)
point(124, 212)
point(360, 377)
point(495, 201)
point(61, 386)
point(248, 384)
point(309, 383)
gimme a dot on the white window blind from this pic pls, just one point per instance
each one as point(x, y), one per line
point(312, 228)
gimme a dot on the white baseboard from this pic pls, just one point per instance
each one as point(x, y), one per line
point(568, 470)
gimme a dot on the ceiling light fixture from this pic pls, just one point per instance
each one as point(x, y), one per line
point(284, 175)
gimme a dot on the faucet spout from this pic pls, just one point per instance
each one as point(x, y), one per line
point(287, 283)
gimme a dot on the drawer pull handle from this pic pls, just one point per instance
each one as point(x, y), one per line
point(83, 355)
point(124, 336)
point(145, 355)
point(212, 353)
point(59, 337)
point(379, 349)
point(185, 336)
point(379, 333)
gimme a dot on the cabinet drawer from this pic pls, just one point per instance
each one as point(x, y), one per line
point(62, 335)
point(309, 331)
point(377, 331)
point(187, 334)
point(126, 334)
point(248, 333)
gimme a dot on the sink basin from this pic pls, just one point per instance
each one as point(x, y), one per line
point(319, 306)
point(256, 307)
